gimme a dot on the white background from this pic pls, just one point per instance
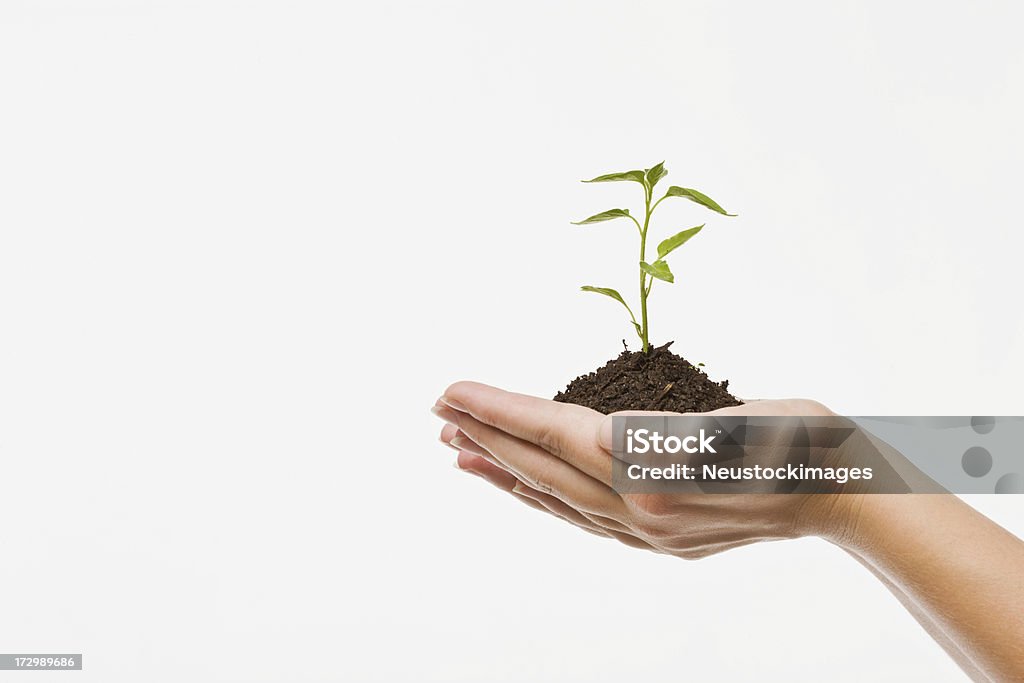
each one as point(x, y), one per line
point(245, 245)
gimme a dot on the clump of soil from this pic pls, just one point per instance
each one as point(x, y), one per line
point(656, 380)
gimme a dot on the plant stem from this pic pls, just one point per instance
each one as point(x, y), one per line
point(643, 275)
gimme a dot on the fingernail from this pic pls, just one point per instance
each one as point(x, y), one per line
point(455, 464)
point(453, 403)
point(446, 414)
point(459, 442)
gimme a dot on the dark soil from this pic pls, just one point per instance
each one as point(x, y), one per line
point(656, 380)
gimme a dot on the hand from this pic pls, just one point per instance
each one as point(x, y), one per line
point(953, 569)
point(557, 457)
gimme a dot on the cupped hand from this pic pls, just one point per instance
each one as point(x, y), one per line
point(557, 457)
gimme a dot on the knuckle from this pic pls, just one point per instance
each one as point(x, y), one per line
point(540, 485)
point(550, 439)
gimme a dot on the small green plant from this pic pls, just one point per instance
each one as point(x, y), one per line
point(657, 269)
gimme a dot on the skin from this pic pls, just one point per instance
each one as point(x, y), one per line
point(956, 571)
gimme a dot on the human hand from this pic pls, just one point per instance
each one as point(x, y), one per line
point(952, 568)
point(557, 457)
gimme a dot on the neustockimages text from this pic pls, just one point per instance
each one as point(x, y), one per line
point(643, 441)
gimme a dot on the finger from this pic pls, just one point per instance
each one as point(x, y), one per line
point(604, 523)
point(453, 438)
point(538, 468)
point(474, 464)
point(581, 519)
point(463, 442)
point(576, 516)
point(556, 506)
point(537, 506)
point(565, 430)
point(507, 482)
point(448, 432)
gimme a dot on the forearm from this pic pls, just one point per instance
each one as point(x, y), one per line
point(962, 570)
point(951, 647)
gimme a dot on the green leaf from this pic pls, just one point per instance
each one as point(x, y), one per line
point(698, 197)
point(635, 176)
point(614, 295)
point(655, 173)
point(658, 269)
point(679, 239)
point(608, 215)
point(607, 291)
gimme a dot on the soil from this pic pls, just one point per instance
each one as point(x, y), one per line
point(656, 380)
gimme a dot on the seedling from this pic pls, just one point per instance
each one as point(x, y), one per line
point(657, 269)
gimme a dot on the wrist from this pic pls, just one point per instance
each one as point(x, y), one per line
point(836, 518)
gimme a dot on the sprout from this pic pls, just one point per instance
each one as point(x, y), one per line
point(649, 270)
